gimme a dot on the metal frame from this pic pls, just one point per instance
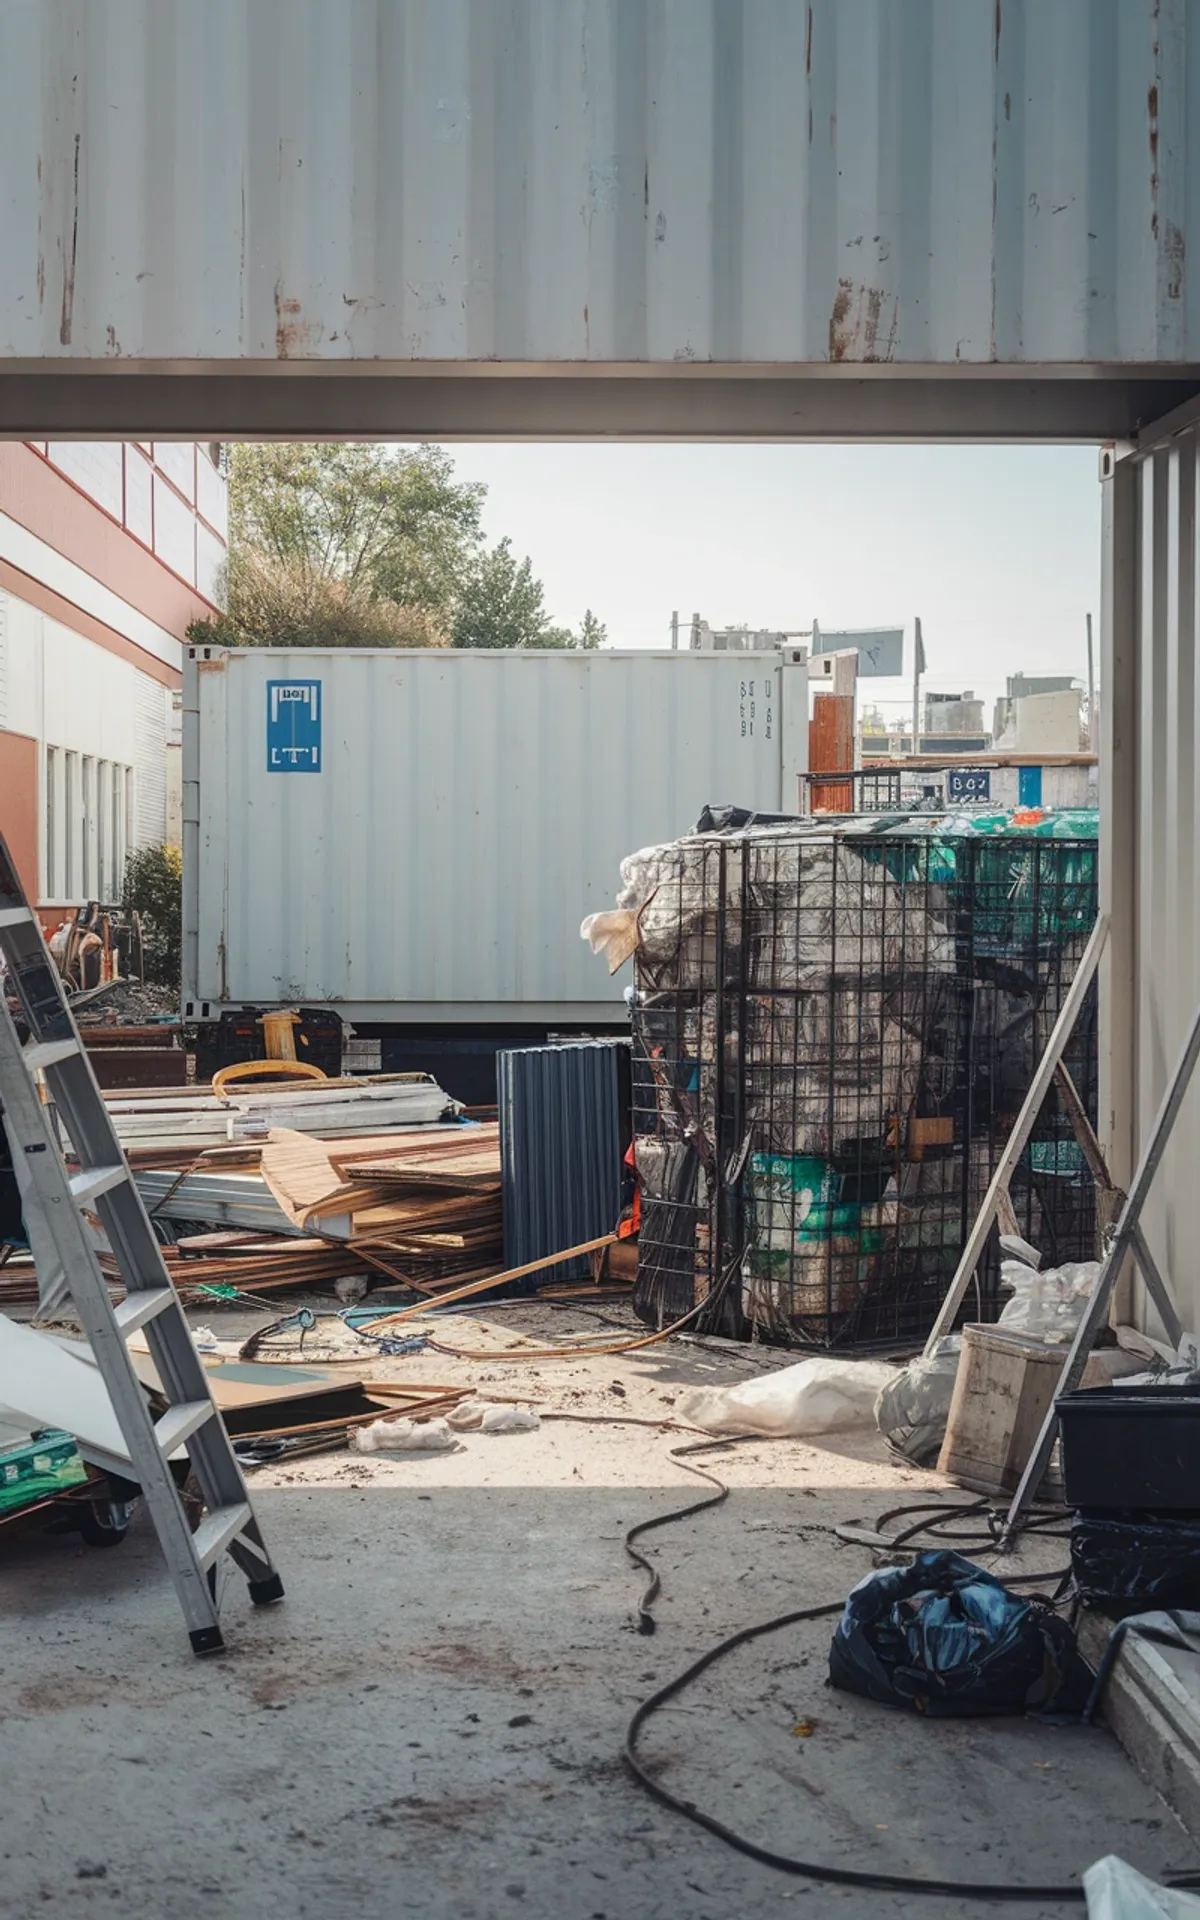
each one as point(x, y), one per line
point(1128, 1239)
point(1018, 1139)
point(282, 400)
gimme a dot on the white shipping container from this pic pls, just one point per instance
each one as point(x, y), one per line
point(417, 836)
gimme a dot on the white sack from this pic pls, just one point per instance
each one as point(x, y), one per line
point(819, 1395)
point(402, 1436)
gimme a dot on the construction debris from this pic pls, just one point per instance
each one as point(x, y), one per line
point(403, 1436)
point(160, 1119)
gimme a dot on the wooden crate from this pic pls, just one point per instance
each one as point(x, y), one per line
point(1005, 1384)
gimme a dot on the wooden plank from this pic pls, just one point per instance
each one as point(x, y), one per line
point(499, 1279)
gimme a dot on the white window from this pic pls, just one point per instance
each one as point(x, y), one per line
point(88, 823)
point(53, 860)
point(104, 850)
point(88, 826)
point(72, 822)
point(119, 848)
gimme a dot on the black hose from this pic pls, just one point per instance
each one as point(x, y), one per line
point(645, 1619)
point(787, 1863)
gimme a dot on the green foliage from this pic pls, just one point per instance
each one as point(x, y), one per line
point(273, 602)
point(592, 633)
point(154, 889)
point(360, 545)
point(392, 523)
point(500, 603)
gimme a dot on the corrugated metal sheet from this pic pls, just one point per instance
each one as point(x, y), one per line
point(468, 811)
point(563, 1117)
point(1153, 837)
point(546, 181)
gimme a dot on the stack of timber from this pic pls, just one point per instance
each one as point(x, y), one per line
point(387, 1192)
point(255, 1263)
point(426, 1211)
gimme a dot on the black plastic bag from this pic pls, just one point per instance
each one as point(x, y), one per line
point(1126, 1562)
point(944, 1637)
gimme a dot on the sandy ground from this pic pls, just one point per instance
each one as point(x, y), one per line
point(432, 1722)
point(591, 1447)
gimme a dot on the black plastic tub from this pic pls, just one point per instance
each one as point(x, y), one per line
point(1132, 1448)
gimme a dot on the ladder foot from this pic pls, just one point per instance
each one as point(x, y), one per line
point(207, 1640)
point(265, 1592)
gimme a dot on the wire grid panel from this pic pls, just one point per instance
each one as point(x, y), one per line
point(832, 1037)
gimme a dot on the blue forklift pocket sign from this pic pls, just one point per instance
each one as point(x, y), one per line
point(293, 726)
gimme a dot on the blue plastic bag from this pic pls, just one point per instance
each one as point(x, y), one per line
point(944, 1637)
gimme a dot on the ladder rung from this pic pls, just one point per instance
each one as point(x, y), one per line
point(93, 1181)
point(48, 1053)
point(136, 1308)
point(180, 1421)
point(15, 916)
point(217, 1529)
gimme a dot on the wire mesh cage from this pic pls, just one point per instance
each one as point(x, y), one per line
point(834, 1029)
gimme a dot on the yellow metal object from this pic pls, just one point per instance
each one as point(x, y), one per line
point(265, 1069)
point(279, 1033)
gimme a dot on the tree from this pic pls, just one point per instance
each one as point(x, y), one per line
point(393, 524)
point(592, 633)
point(501, 604)
point(358, 545)
point(153, 889)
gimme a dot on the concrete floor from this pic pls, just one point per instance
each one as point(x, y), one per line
point(432, 1722)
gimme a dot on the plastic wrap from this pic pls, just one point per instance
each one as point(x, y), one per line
point(1046, 1306)
point(945, 1638)
point(1117, 1891)
point(1123, 1562)
point(912, 1410)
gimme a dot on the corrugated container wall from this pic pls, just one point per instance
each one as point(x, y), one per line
point(674, 181)
point(1152, 834)
point(417, 836)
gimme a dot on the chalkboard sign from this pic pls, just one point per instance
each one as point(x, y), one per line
point(969, 783)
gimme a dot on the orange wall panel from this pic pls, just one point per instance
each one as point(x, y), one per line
point(831, 750)
point(19, 805)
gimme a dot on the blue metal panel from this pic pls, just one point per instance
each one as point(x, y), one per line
point(562, 1121)
point(1029, 786)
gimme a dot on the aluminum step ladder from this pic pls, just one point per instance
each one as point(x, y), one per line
point(104, 1185)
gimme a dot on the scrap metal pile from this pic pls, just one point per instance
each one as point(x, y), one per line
point(834, 1027)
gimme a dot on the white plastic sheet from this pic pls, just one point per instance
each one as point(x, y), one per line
point(1047, 1306)
point(1117, 1891)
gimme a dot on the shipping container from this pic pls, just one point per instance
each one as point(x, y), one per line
point(416, 837)
point(407, 187)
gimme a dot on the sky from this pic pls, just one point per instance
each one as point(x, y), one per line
point(996, 548)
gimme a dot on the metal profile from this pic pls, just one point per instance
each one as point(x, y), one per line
point(562, 1131)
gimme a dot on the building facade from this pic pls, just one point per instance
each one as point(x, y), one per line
point(108, 551)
